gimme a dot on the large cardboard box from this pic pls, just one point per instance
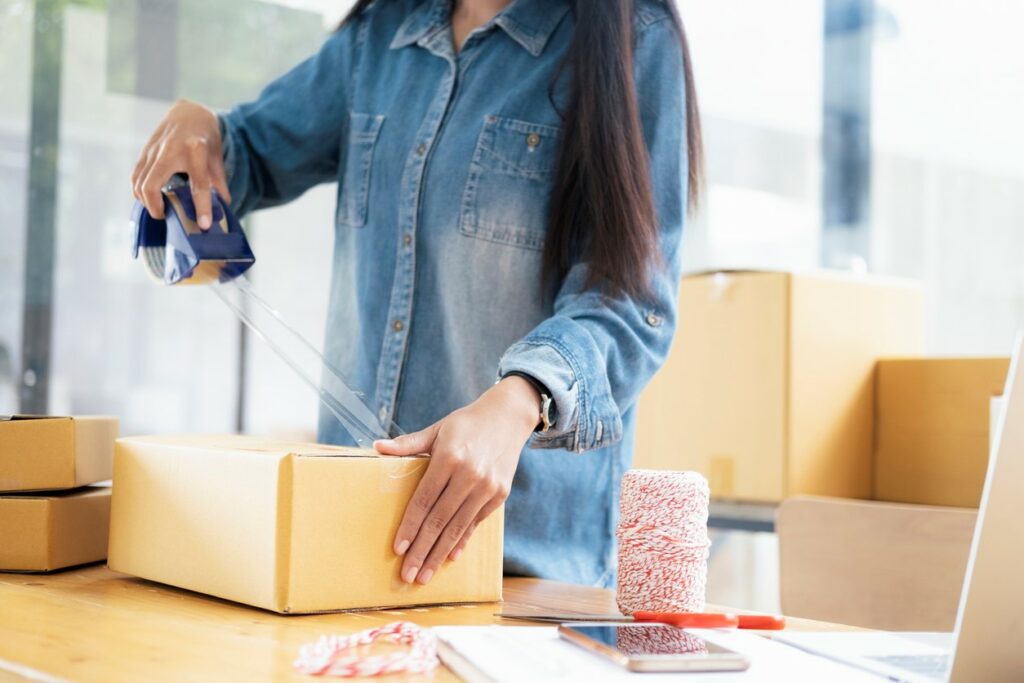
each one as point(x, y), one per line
point(43, 532)
point(932, 434)
point(289, 527)
point(48, 453)
point(768, 390)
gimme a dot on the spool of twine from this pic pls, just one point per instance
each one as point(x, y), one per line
point(663, 542)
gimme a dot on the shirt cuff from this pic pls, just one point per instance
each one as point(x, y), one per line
point(585, 420)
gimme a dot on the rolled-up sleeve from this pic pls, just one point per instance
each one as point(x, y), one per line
point(288, 139)
point(595, 353)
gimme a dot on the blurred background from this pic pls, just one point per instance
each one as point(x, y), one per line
point(870, 136)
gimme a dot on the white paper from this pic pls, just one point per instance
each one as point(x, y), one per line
point(512, 654)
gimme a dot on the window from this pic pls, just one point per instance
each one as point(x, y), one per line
point(916, 174)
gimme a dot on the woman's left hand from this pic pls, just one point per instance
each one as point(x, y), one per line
point(474, 452)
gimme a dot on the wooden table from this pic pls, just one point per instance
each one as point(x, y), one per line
point(92, 624)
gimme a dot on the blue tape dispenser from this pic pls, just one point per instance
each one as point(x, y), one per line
point(177, 251)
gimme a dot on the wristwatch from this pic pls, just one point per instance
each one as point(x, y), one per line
point(548, 408)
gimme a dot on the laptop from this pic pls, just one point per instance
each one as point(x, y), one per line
point(987, 643)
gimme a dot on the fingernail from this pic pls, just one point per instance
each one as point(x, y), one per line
point(401, 548)
point(410, 574)
point(204, 222)
point(425, 576)
point(386, 443)
point(456, 554)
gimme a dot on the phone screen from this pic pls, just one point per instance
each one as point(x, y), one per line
point(637, 640)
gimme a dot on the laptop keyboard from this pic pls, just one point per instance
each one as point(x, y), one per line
point(932, 666)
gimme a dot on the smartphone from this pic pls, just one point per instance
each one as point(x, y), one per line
point(653, 647)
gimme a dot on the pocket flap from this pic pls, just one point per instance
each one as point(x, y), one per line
point(519, 147)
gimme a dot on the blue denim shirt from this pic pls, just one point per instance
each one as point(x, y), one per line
point(445, 165)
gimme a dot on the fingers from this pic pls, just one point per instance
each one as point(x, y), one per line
point(423, 500)
point(408, 444)
point(151, 190)
point(467, 499)
point(442, 514)
point(445, 542)
point(456, 552)
point(141, 170)
point(485, 512)
point(199, 180)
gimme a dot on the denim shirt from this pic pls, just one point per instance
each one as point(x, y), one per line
point(445, 165)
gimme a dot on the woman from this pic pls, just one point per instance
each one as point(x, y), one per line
point(513, 179)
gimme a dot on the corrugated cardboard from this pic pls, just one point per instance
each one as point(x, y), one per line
point(49, 453)
point(768, 389)
point(289, 527)
point(43, 532)
point(932, 434)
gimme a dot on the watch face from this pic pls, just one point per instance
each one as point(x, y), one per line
point(547, 412)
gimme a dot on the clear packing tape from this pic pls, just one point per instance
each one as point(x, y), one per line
point(177, 252)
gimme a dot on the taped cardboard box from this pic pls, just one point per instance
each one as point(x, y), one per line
point(768, 390)
point(43, 532)
point(289, 527)
point(50, 453)
point(933, 428)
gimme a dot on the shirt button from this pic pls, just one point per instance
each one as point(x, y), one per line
point(653, 320)
point(407, 239)
point(397, 326)
point(532, 140)
point(422, 149)
point(383, 414)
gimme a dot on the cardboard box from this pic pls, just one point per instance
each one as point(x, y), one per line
point(289, 527)
point(43, 532)
point(49, 453)
point(932, 434)
point(768, 390)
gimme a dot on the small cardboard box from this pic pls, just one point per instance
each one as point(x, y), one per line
point(932, 435)
point(43, 532)
point(50, 453)
point(769, 388)
point(289, 527)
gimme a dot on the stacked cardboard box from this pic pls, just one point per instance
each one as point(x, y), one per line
point(769, 388)
point(51, 513)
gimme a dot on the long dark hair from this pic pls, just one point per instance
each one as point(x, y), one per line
point(602, 207)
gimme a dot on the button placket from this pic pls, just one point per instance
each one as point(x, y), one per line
point(400, 308)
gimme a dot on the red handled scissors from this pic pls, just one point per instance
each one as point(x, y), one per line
point(762, 622)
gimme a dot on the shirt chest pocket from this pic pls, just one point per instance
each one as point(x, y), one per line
point(508, 191)
point(363, 131)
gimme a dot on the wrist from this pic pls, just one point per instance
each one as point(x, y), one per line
point(522, 400)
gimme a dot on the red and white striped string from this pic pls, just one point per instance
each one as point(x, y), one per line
point(663, 542)
point(342, 655)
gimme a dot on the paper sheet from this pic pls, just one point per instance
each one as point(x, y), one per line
point(511, 654)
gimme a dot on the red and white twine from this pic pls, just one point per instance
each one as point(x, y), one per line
point(341, 655)
point(663, 542)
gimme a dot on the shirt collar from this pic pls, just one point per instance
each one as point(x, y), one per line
point(529, 22)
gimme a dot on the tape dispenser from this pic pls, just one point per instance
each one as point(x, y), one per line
point(177, 251)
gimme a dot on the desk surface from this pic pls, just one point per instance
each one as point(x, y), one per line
point(94, 624)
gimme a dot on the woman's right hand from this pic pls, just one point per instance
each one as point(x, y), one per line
point(186, 141)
